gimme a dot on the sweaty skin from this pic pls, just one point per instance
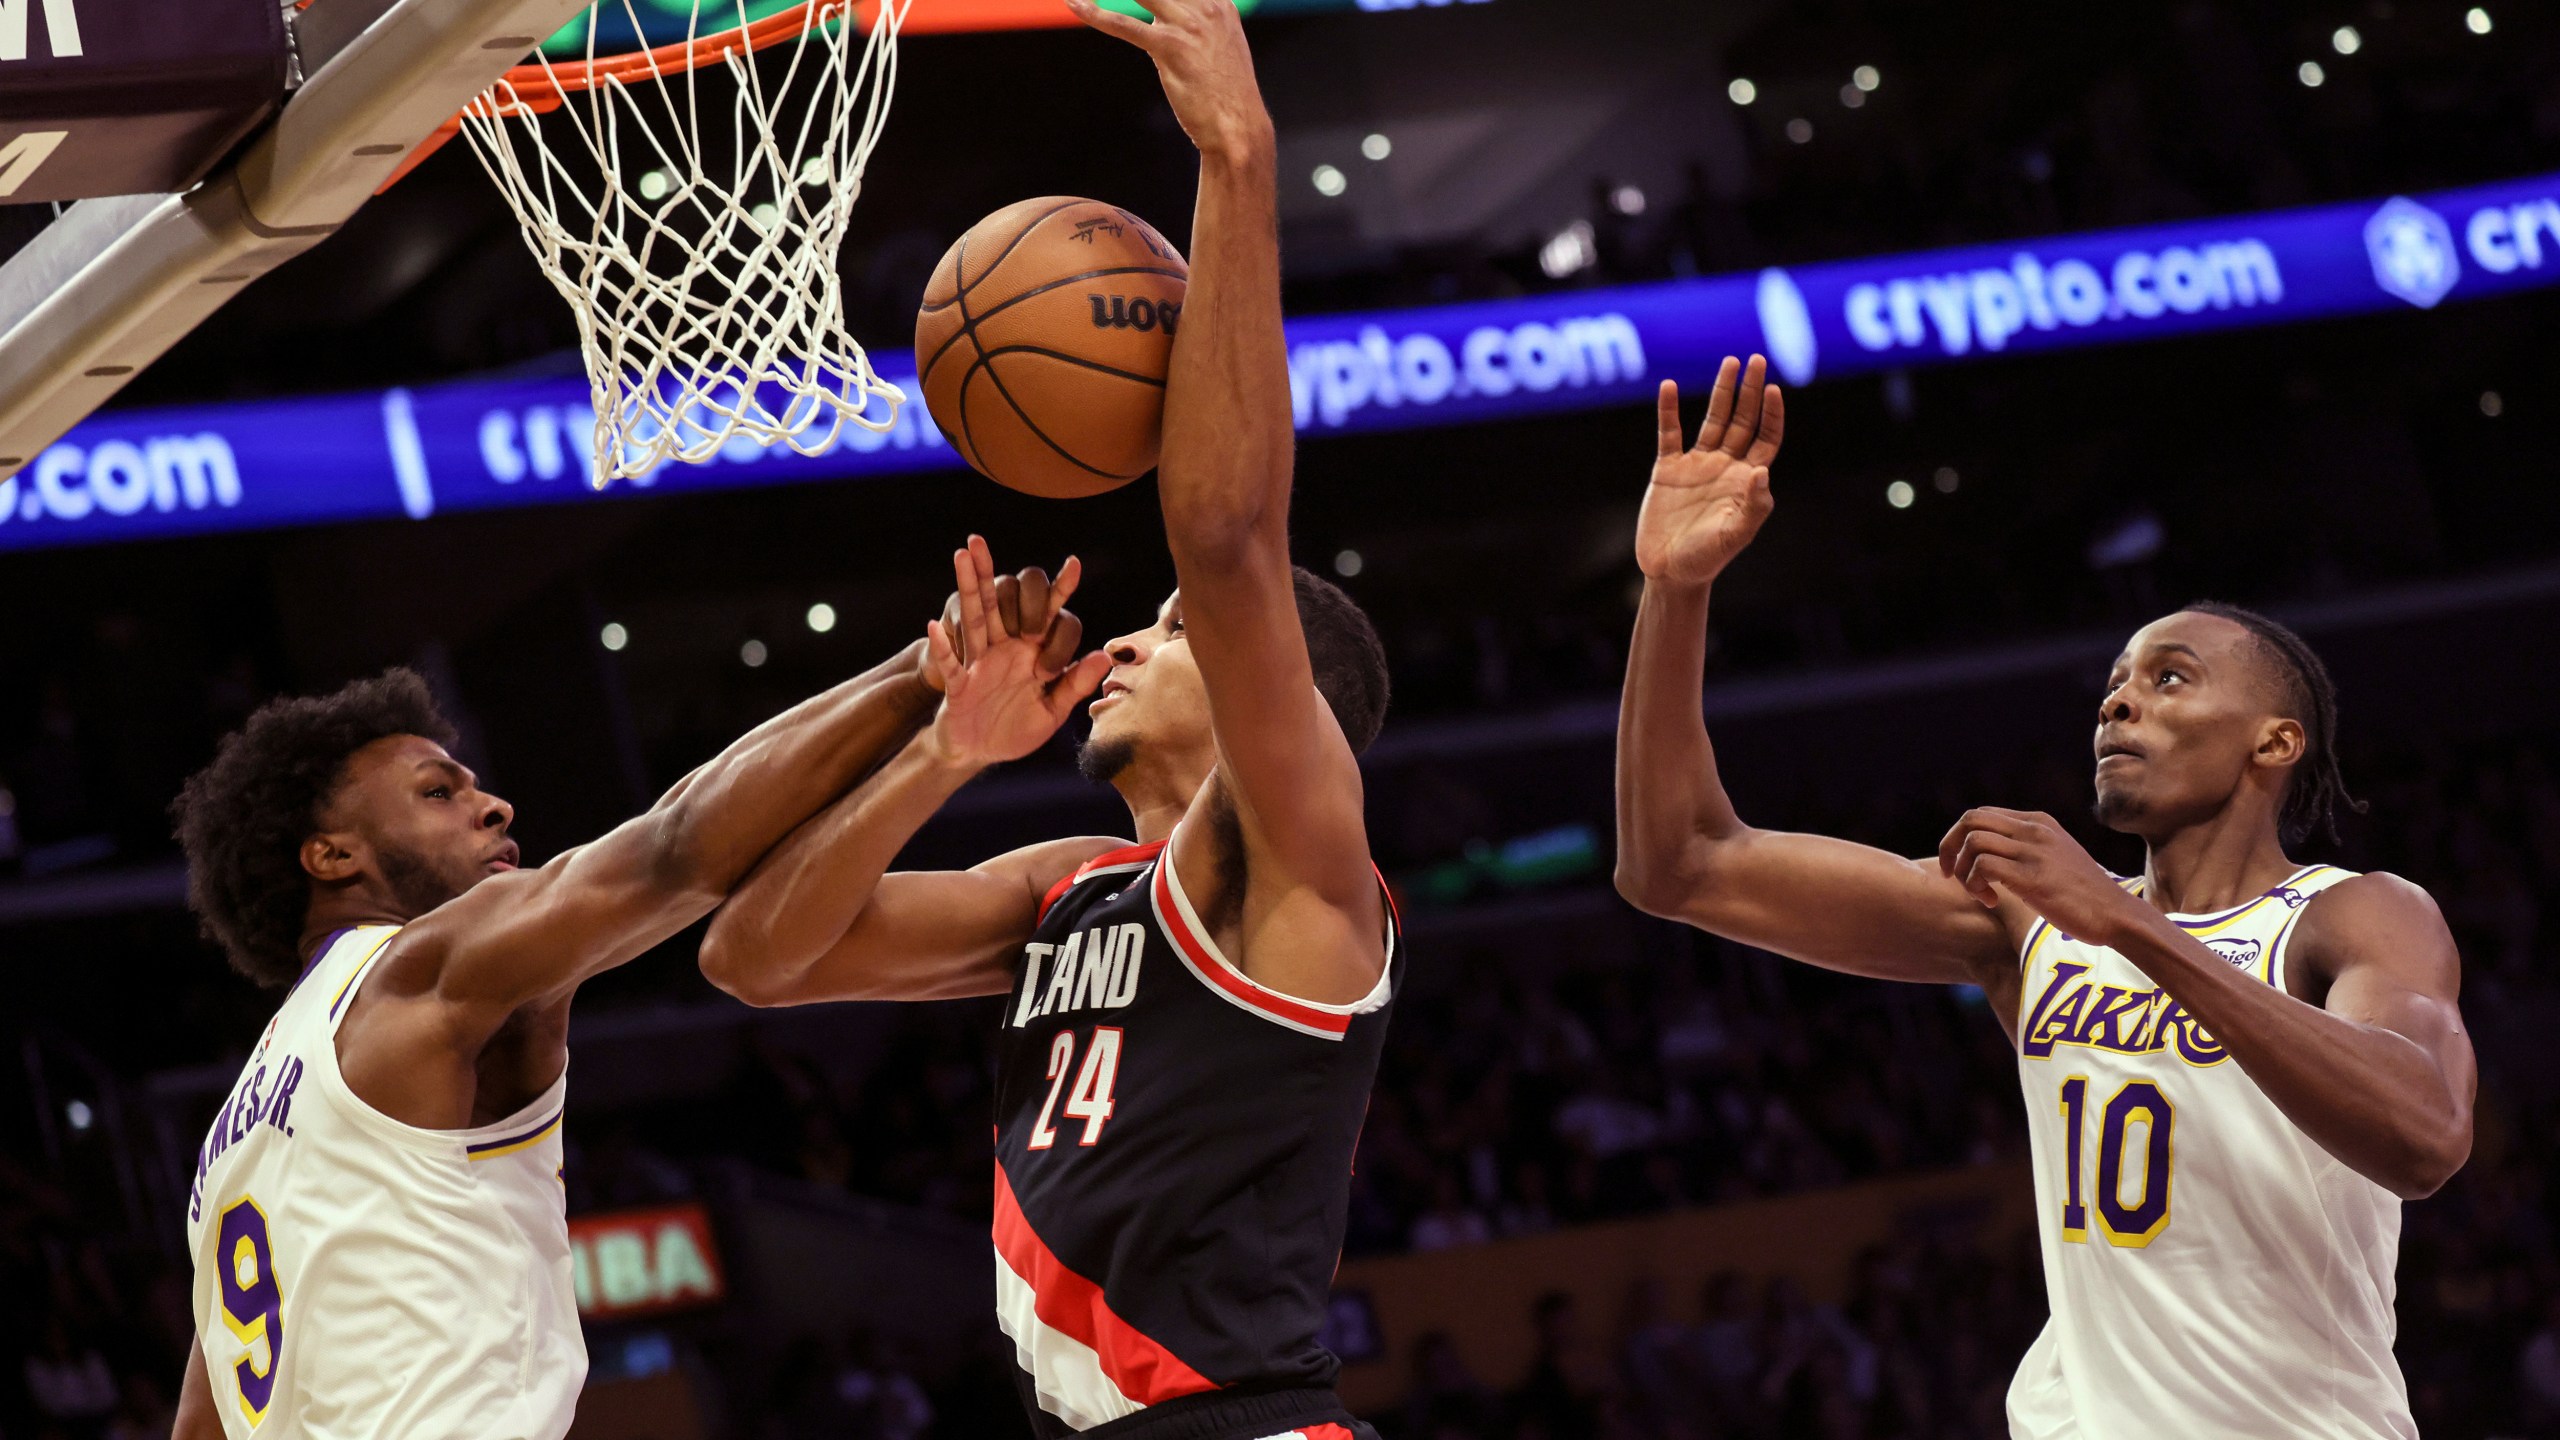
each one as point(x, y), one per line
point(1233, 755)
point(2365, 1051)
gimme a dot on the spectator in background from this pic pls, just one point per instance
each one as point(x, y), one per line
point(1446, 1401)
point(1525, 1210)
point(2538, 1372)
point(1663, 1398)
point(1567, 1395)
point(880, 1392)
point(1724, 1349)
point(1450, 1223)
point(68, 1381)
point(145, 1412)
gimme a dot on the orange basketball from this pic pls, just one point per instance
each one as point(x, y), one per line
point(1043, 344)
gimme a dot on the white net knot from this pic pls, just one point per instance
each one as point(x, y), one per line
point(705, 287)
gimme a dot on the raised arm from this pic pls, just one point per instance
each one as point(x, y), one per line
point(822, 919)
point(1682, 851)
point(2364, 1048)
point(523, 938)
point(1313, 917)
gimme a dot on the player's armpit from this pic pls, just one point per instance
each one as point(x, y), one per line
point(924, 935)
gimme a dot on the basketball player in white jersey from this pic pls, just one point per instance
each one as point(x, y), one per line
point(377, 1221)
point(2235, 1066)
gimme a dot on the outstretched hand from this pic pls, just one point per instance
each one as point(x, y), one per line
point(1708, 500)
point(1004, 657)
point(1207, 69)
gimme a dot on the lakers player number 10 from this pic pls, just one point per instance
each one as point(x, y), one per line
point(2130, 1224)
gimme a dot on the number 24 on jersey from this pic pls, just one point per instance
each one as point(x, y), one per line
point(1090, 1099)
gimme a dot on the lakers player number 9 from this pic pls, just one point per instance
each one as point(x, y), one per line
point(252, 1303)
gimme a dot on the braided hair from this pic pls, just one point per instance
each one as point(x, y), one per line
point(2317, 790)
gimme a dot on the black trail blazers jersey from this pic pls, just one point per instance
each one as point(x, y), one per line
point(1173, 1155)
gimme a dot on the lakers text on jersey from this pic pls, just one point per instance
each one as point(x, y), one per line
point(1173, 1162)
point(2214, 1273)
point(358, 1277)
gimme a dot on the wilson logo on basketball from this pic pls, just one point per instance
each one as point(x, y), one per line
point(1119, 312)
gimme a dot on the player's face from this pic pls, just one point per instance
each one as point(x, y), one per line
point(2184, 719)
point(1153, 697)
point(418, 824)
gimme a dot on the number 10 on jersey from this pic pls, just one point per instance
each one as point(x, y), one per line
point(2132, 1224)
point(1091, 1099)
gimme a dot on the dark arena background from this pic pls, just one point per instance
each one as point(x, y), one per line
point(2085, 312)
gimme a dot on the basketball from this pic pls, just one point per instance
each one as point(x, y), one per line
point(1043, 342)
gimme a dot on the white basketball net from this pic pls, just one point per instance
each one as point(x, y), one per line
point(705, 285)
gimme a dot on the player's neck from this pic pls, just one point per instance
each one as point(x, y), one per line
point(2226, 861)
point(335, 910)
point(1157, 799)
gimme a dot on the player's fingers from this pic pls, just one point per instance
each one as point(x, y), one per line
point(1077, 685)
point(1070, 580)
point(1009, 611)
point(1720, 403)
point(1066, 633)
point(1971, 823)
point(1773, 428)
point(1746, 413)
point(973, 605)
point(1128, 28)
point(1037, 608)
point(985, 560)
point(1666, 440)
point(946, 662)
point(1984, 874)
point(951, 625)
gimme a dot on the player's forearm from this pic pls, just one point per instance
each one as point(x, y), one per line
point(1672, 807)
point(808, 895)
point(1228, 436)
point(715, 827)
point(2370, 1096)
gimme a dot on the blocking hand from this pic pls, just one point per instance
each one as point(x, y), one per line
point(1004, 655)
point(1707, 501)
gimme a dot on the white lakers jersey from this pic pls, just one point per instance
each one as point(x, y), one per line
point(357, 1277)
point(2213, 1273)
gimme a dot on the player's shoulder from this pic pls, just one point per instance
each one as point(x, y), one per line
point(2374, 913)
point(1050, 869)
point(2373, 894)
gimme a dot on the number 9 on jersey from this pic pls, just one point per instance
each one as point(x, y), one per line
point(252, 1302)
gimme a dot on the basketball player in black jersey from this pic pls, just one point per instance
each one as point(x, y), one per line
point(1193, 1021)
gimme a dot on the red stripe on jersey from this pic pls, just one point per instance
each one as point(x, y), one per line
point(1216, 971)
point(1068, 1303)
point(1326, 1431)
point(1131, 855)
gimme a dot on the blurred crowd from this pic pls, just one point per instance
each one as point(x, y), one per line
point(2064, 124)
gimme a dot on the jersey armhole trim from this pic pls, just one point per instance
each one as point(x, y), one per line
point(2280, 949)
point(1202, 957)
point(522, 1130)
point(355, 975)
point(1124, 859)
